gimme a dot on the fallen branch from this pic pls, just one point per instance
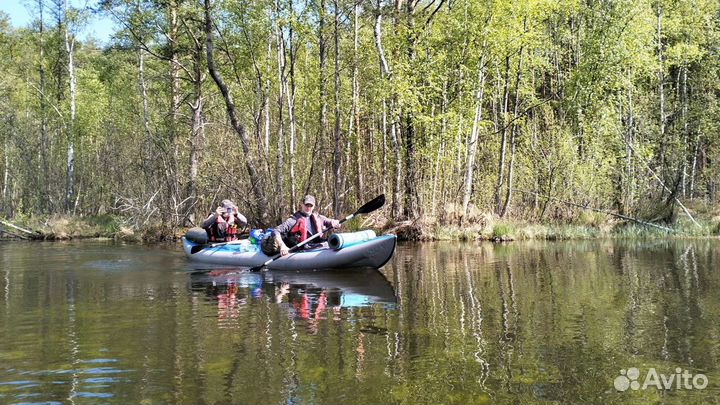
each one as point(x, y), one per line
point(14, 235)
point(662, 183)
point(16, 227)
point(614, 214)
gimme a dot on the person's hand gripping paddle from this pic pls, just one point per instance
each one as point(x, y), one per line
point(369, 207)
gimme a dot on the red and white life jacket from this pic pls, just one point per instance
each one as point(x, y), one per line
point(299, 231)
point(222, 231)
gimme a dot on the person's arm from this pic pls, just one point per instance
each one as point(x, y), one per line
point(240, 219)
point(209, 221)
point(284, 250)
point(285, 227)
point(329, 222)
point(281, 229)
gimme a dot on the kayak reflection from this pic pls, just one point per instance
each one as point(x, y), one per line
point(307, 294)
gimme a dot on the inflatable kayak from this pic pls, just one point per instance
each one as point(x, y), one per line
point(368, 253)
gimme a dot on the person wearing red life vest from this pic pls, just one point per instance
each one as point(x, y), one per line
point(225, 224)
point(301, 225)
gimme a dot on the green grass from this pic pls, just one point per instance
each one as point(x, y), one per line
point(584, 229)
point(503, 231)
point(456, 233)
point(106, 224)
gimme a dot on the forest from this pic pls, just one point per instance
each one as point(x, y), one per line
point(457, 110)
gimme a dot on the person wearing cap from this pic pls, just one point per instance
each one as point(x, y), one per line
point(225, 224)
point(301, 225)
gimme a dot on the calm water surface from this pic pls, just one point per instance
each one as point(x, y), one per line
point(100, 322)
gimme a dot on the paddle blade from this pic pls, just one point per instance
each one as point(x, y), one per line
point(260, 267)
point(371, 206)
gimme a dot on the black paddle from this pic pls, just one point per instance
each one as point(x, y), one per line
point(369, 207)
point(198, 248)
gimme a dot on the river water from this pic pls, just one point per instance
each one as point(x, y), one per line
point(563, 322)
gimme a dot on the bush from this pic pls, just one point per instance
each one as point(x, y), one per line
point(107, 223)
point(503, 231)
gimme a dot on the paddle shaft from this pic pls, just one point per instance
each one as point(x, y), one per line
point(369, 207)
point(232, 242)
point(198, 248)
point(303, 243)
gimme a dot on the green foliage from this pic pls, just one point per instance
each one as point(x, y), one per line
point(592, 219)
point(577, 83)
point(502, 231)
point(108, 223)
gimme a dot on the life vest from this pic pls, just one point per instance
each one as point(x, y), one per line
point(219, 235)
point(299, 231)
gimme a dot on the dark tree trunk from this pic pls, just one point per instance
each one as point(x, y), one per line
point(323, 102)
point(261, 212)
point(411, 195)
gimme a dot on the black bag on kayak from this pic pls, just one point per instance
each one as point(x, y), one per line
point(269, 245)
point(197, 235)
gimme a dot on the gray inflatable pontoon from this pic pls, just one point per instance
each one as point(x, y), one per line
point(371, 253)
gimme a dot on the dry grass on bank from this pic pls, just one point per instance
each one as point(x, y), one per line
point(63, 227)
point(480, 225)
point(444, 226)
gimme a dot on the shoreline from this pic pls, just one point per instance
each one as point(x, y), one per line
point(110, 227)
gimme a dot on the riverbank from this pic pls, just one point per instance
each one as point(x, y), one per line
point(506, 231)
point(482, 227)
point(61, 227)
point(585, 226)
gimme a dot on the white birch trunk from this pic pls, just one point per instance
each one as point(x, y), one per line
point(290, 95)
point(472, 146)
point(396, 207)
point(384, 145)
point(503, 140)
point(686, 133)
point(266, 103)
point(661, 87)
point(280, 169)
point(6, 174)
point(513, 135)
point(196, 136)
point(338, 152)
point(147, 139)
point(355, 115)
point(69, 48)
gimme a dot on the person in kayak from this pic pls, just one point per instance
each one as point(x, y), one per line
point(301, 225)
point(225, 224)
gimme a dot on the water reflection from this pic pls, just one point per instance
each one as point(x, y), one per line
point(441, 323)
point(306, 295)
